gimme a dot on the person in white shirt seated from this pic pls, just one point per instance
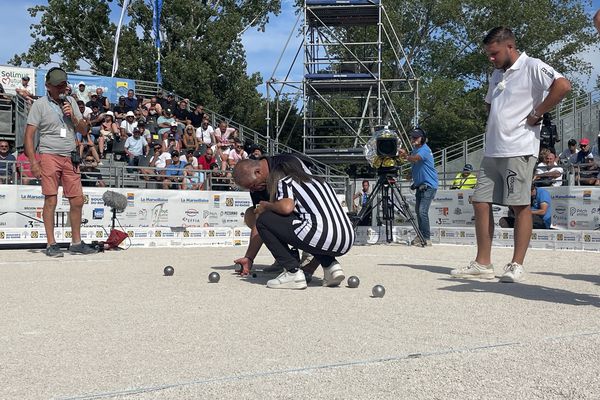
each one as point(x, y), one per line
point(569, 155)
point(547, 173)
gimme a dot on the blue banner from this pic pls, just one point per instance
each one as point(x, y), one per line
point(113, 87)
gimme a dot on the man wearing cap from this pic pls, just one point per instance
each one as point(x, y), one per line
point(465, 179)
point(81, 93)
point(56, 118)
point(135, 147)
point(128, 125)
point(584, 151)
point(521, 89)
point(24, 88)
point(586, 171)
point(174, 172)
point(425, 181)
point(569, 155)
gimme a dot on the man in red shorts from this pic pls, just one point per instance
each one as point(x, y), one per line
point(56, 118)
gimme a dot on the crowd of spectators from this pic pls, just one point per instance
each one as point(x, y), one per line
point(581, 163)
point(162, 140)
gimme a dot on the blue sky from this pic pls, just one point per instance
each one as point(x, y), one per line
point(262, 49)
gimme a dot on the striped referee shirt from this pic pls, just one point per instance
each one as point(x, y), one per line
point(321, 221)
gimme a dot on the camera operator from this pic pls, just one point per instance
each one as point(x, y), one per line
point(425, 181)
point(56, 118)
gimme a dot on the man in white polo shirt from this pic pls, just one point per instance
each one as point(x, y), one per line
point(521, 89)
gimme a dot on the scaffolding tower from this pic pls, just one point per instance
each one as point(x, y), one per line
point(355, 77)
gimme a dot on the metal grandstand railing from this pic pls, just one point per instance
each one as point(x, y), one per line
point(578, 117)
point(336, 178)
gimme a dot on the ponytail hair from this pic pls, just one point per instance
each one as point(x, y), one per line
point(294, 170)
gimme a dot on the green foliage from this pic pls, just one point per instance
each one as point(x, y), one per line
point(202, 56)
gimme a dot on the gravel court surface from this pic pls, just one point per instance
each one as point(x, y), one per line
point(111, 326)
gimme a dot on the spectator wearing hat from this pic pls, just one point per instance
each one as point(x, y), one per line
point(425, 181)
point(119, 109)
point(131, 103)
point(170, 103)
point(164, 122)
point(128, 125)
point(81, 93)
point(25, 89)
point(569, 155)
point(135, 147)
point(586, 172)
point(465, 179)
point(174, 172)
point(109, 130)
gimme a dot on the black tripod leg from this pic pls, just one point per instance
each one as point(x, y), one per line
point(404, 209)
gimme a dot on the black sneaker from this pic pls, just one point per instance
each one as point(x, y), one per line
point(82, 248)
point(54, 251)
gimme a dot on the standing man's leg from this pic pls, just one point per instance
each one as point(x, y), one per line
point(484, 232)
point(523, 229)
point(50, 176)
point(48, 216)
point(427, 196)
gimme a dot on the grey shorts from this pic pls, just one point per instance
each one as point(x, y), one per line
point(505, 180)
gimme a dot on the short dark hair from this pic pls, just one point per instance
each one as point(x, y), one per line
point(499, 34)
point(572, 142)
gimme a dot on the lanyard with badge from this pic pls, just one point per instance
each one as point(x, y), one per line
point(56, 108)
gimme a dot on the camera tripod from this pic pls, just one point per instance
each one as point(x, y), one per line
point(387, 197)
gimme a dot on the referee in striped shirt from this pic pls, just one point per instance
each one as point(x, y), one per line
point(303, 213)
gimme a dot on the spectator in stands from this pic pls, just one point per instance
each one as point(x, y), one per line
point(189, 139)
point(120, 109)
point(159, 160)
point(25, 89)
point(85, 145)
point(425, 181)
point(587, 172)
point(192, 178)
point(91, 176)
point(135, 148)
point(102, 100)
point(541, 210)
point(596, 148)
point(131, 103)
point(197, 116)
point(109, 130)
point(95, 119)
point(465, 179)
point(153, 107)
point(145, 132)
point(207, 159)
point(170, 103)
point(585, 149)
point(164, 122)
point(256, 152)
point(160, 99)
point(7, 162)
point(94, 101)
point(84, 110)
point(128, 125)
point(56, 120)
point(24, 169)
point(190, 159)
point(81, 93)
point(206, 133)
point(181, 113)
point(569, 155)
point(547, 173)
point(222, 135)
point(233, 154)
point(174, 172)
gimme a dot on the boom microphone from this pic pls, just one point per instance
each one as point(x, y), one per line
point(115, 200)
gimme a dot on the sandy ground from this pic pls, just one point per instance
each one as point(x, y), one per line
point(111, 326)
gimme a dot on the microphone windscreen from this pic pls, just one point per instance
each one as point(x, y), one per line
point(114, 200)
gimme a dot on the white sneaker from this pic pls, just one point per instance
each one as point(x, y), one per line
point(274, 268)
point(513, 272)
point(474, 270)
point(288, 280)
point(333, 275)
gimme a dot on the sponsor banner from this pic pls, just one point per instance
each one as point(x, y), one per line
point(209, 209)
point(10, 77)
point(113, 87)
